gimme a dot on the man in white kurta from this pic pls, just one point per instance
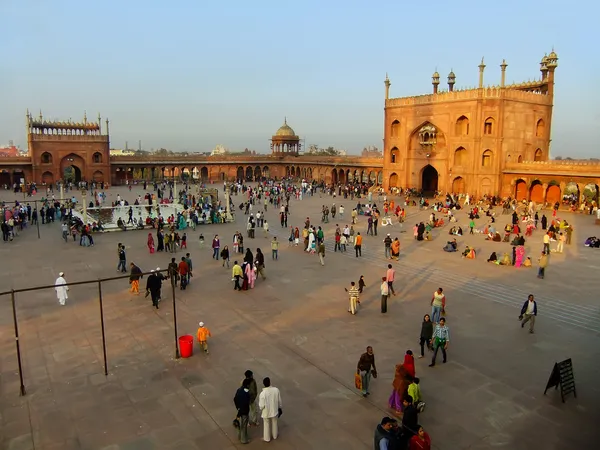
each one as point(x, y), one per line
point(269, 402)
point(61, 289)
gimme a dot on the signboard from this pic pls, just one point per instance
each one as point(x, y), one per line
point(562, 375)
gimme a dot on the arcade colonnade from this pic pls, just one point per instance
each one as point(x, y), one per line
point(542, 189)
point(247, 172)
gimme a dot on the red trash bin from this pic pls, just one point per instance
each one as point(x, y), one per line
point(186, 346)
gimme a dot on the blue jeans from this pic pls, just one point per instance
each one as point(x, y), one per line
point(216, 253)
point(121, 266)
point(436, 313)
point(366, 380)
point(274, 254)
point(388, 252)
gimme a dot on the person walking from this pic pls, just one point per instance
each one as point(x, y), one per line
point(543, 263)
point(385, 293)
point(438, 304)
point(121, 267)
point(134, 278)
point(237, 274)
point(153, 285)
point(253, 390)
point(270, 406)
point(358, 245)
point(260, 264)
point(441, 338)
point(387, 245)
point(363, 368)
point(216, 245)
point(529, 313)
point(60, 285)
point(275, 248)
point(561, 243)
point(353, 297)
point(546, 243)
point(382, 439)
point(225, 256)
point(242, 404)
point(426, 334)
point(183, 270)
point(203, 334)
point(390, 276)
point(322, 253)
point(65, 231)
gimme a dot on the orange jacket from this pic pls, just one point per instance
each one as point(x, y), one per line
point(358, 240)
point(203, 334)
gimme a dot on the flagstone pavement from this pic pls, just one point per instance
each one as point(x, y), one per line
point(294, 327)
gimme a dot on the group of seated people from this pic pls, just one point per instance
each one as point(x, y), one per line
point(469, 253)
point(592, 242)
point(505, 260)
point(456, 231)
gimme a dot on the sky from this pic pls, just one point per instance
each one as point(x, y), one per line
point(188, 75)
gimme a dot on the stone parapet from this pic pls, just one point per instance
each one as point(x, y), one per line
point(67, 138)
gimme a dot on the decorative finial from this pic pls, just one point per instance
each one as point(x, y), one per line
point(285, 120)
point(84, 117)
point(41, 117)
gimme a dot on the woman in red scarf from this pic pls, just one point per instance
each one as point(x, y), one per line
point(409, 363)
point(150, 243)
point(421, 440)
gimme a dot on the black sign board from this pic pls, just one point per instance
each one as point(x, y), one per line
point(562, 375)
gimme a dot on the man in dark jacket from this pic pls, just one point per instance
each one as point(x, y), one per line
point(529, 313)
point(253, 390)
point(153, 285)
point(410, 418)
point(381, 440)
point(242, 403)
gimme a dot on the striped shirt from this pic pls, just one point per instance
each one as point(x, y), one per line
point(353, 291)
point(442, 333)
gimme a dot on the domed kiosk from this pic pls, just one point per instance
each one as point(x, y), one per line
point(285, 141)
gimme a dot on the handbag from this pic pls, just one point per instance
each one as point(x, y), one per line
point(357, 381)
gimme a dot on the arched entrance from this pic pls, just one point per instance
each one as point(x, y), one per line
point(429, 180)
point(204, 173)
point(240, 173)
point(553, 193)
point(71, 168)
point(393, 180)
point(248, 173)
point(536, 192)
point(334, 176)
point(458, 185)
point(520, 190)
point(47, 178)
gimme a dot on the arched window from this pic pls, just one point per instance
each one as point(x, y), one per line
point(537, 156)
point(462, 126)
point(395, 130)
point(395, 156)
point(488, 126)
point(46, 158)
point(520, 159)
point(460, 157)
point(97, 157)
point(486, 159)
point(540, 128)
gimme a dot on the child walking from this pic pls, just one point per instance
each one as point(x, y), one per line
point(203, 335)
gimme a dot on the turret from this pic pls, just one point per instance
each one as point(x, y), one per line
point(451, 80)
point(481, 69)
point(387, 86)
point(503, 75)
point(551, 64)
point(544, 67)
point(435, 80)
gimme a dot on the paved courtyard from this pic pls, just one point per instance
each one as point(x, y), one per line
point(294, 327)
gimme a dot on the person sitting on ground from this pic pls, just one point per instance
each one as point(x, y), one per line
point(452, 231)
point(505, 261)
point(451, 246)
point(427, 235)
point(527, 262)
point(493, 258)
point(469, 253)
point(459, 231)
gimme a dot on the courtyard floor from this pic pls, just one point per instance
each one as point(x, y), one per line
point(294, 327)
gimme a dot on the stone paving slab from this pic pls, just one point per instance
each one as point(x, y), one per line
point(294, 328)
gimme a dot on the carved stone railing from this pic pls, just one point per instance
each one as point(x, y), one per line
point(68, 137)
point(470, 94)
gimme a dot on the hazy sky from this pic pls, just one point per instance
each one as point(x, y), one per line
point(187, 75)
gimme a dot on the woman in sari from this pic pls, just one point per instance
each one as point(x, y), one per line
point(250, 275)
point(400, 388)
point(150, 243)
point(409, 363)
point(395, 247)
point(520, 252)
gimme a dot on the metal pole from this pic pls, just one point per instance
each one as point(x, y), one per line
point(102, 325)
point(175, 317)
point(14, 308)
point(37, 220)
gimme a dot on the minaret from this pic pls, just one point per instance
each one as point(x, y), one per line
point(481, 68)
point(551, 64)
point(99, 125)
point(387, 86)
point(107, 126)
point(544, 67)
point(84, 117)
point(503, 75)
point(451, 81)
point(435, 80)
point(41, 117)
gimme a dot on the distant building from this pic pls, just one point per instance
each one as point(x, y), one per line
point(121, 152)
point(10, 150)
point(219, 150)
